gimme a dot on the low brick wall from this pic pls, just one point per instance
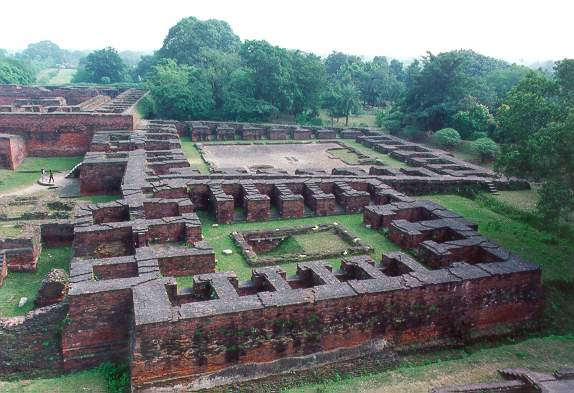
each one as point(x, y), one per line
point(181, 351)
point(57, 234)
point(32, 342)
point(58, 133)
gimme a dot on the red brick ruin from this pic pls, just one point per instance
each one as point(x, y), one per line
point(451, 284)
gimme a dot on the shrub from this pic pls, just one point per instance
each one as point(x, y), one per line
point(390, 120)
point(478, 135)
point(146, 107)
point(412, 133)
point(117, 377)
point(485, 148)
point(447, 137)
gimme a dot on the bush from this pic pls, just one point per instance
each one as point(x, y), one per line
point(146, 107)
point(485, 148)
point(412, 133)
point(478, 135)
point(117, 377)
point(308, 120)
point(447, 137)
point(390, 120)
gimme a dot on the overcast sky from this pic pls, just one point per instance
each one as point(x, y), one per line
point(509, 29)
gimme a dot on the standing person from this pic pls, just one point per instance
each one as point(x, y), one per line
point(42, 174)
point(51, 180)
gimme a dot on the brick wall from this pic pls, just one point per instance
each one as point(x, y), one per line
point(32, 342)
point(12, 151)
point(64, 134)
point(97, 329)
point(431, 315)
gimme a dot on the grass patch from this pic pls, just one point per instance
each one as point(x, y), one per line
point(55, 76)
point(368, 119)
point(385, 158)
point(99, 198)
point(347, 156)
point(89, 381)
point(193, 155)
point(19, 285)
point(553, 254)
point(418, 373)
point(524, 200)
point(288, 246)
point(10, 229)
point(220, 240)
point(29, 171)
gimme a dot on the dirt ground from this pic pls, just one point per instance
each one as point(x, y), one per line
point(288, 156)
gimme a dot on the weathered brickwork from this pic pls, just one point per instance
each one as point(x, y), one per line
point(22, 251)
point(33, 342)
point(124, 303)
point(59, 121)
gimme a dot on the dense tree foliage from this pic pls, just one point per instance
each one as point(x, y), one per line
point(13, 71)
point(536, 127)
point(186, 40)
point(460, 89)
point(47, 54)
point(102, 66)
point(180, 92)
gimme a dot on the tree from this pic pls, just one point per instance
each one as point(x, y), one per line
point(101, 66)
point(13, 71)
point(342, 100)
point(474, 118)
point(446, 137)
point(46, 53)
point(437, 89)
point(308, 81)
point(274, 71)
point(536, 124)
point(180, 92)
point(186, 40)
point(239, 99)
point(485, 148)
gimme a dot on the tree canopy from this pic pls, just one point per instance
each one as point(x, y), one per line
point(102, 66)
point(13, 71)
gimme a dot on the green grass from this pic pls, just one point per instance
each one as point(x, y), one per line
point(290, 245)
point(193, 155)
point(347, 156)
point(220, 240)
point(418, 373)
point(309, 243)
point(55, 76)
point(362, 119)
point(524, 200)
point(29, 171)
point(89, 381)
point(10, 229)
point(17, 285)
point(553, 254)
point(385, 158)
point(99, 198)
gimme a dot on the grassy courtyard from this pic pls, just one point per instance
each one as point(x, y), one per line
point(18, 285)
point(29, 171)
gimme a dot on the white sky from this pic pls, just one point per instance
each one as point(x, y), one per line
point(510, 29)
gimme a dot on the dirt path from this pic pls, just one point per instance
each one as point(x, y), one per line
point(35, 188)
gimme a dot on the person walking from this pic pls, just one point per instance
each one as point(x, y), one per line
point(51, 180)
